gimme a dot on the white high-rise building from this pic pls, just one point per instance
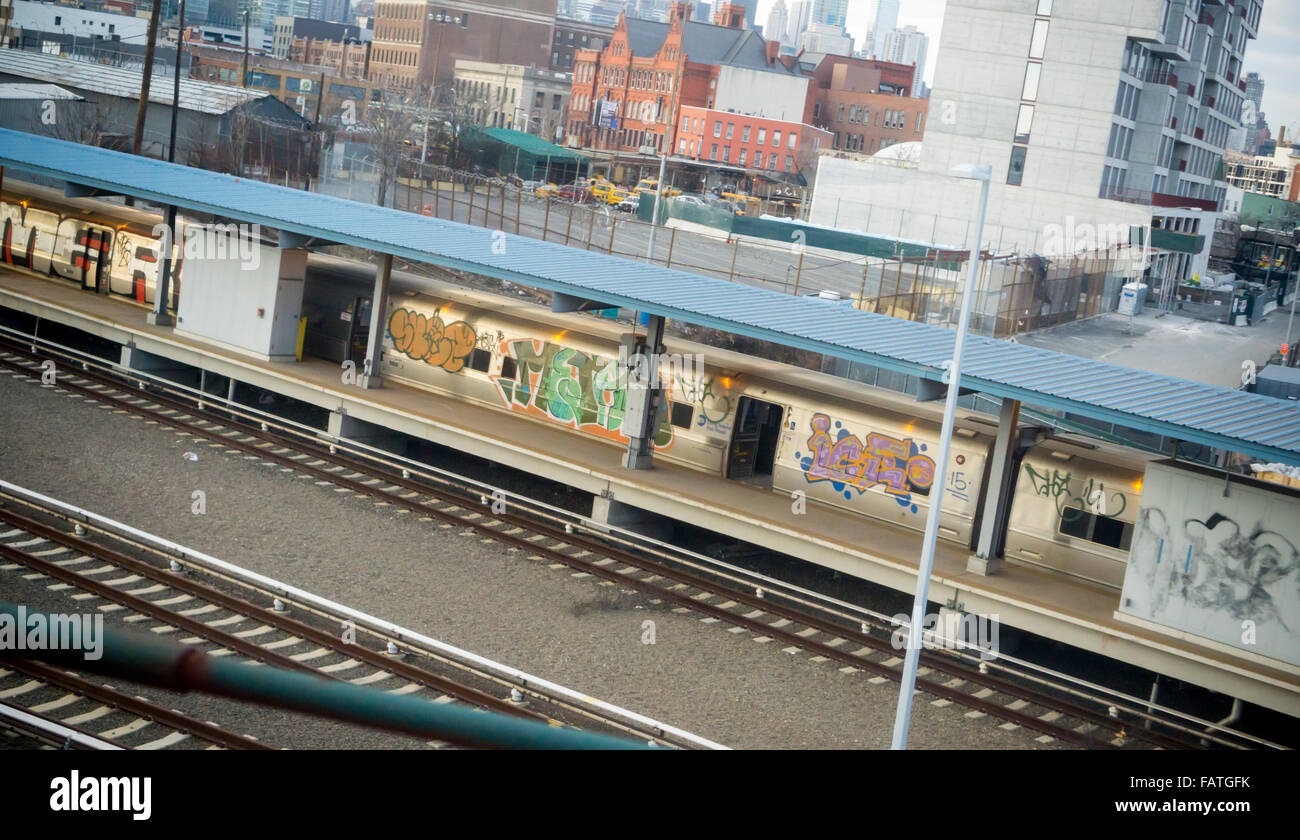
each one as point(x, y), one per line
point(778, 22)
point(907, 46)
point(800, 13)
point(884, 19)
point(1091, 120)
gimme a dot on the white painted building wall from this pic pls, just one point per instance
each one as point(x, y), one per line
point(778, 96)
point(81, 23)
point(249, 301)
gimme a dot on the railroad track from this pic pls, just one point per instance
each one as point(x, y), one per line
point(119, 718)
point(173, 599)
point(1019, 694)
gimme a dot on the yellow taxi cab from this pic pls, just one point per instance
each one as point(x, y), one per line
point(746, 205)
point(600, 189)
point(649, 185)
point(547, 190)
point(615, 196)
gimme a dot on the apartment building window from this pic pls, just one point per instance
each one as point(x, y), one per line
point(731, 130)
point(714, 154)
point(758, 160)
point(741, 160)
point(841, 119)
point(793, 140)
point(1029, 91)
point(789, 163)
point(1024, 123)
point(1016, 169)
point(726, 154)
point(1038, 40)
point(776, 138)
point(762, 136)
point(866, 115)
point(744, 135)
point(717, 129)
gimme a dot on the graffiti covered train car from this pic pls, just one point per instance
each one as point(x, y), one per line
point(862, 450)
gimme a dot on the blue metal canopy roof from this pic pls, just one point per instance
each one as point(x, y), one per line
point(1251, 424)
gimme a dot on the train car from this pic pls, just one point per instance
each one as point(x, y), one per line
point(861, 449)
point(99, 246)
point(839, 443)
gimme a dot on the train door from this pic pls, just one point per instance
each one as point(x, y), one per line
point(754, 437)
point(359, 335)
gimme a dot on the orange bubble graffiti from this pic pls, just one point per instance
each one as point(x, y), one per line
point(430, 340)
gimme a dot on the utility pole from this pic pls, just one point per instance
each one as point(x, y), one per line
point(244, 80)
point(668, 137)
point(315, 134)
point(142, 107)
point(160, 317)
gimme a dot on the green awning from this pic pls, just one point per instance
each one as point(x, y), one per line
point(533, 145)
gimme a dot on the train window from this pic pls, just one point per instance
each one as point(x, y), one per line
point(682, 415)
point(509, 369)
point(480, 360)
point(1103, 530)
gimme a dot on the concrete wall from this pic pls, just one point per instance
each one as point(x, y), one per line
point(242, 294)
point(762, 93)
point(1221, 567)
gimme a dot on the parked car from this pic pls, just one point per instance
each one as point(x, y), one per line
point(616, 196)
point(573, 192)
point(545, 190)
point(630, 204)
point(693, 200)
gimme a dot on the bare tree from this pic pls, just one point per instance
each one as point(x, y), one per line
point(391, 120)
point(87, 121)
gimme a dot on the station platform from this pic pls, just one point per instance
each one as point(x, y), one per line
point(1061, 608)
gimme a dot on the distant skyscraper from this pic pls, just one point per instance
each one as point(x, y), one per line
point(832, 12)
point(884, 19)
point(703, 11)
point(907, 46)
point(778, 22)
point(800, 12)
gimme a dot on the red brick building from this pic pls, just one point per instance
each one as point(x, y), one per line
point(866, 104)
point(623, 96)
point(740, 141)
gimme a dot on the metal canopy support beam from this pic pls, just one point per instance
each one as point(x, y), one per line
point(73, 190)
point(290, 240)
point(641, 412)
point(560, 302)
point(371, 376)
point(160, 317)
point(987, 556)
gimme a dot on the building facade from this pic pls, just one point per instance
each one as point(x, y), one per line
point(757, 144)
point(624, 96)
point(419, 41)
point(867, 105)
point(573, 35)
point(1087, 117)
point(514, 96)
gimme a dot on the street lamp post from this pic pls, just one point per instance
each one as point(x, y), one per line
point(160, 316)
point(670, 131)
point(984, 175)
point(440, 19)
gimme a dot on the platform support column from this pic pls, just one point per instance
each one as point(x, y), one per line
point(371, 377)
point(988, 549)
point(160, 317)
point(641, 412)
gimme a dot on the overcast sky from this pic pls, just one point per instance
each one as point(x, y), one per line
point(1275, 55)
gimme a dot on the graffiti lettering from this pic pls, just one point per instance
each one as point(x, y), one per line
point(1092, 495)
point(567, 386)
point(847, 463)
point(430, 340)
